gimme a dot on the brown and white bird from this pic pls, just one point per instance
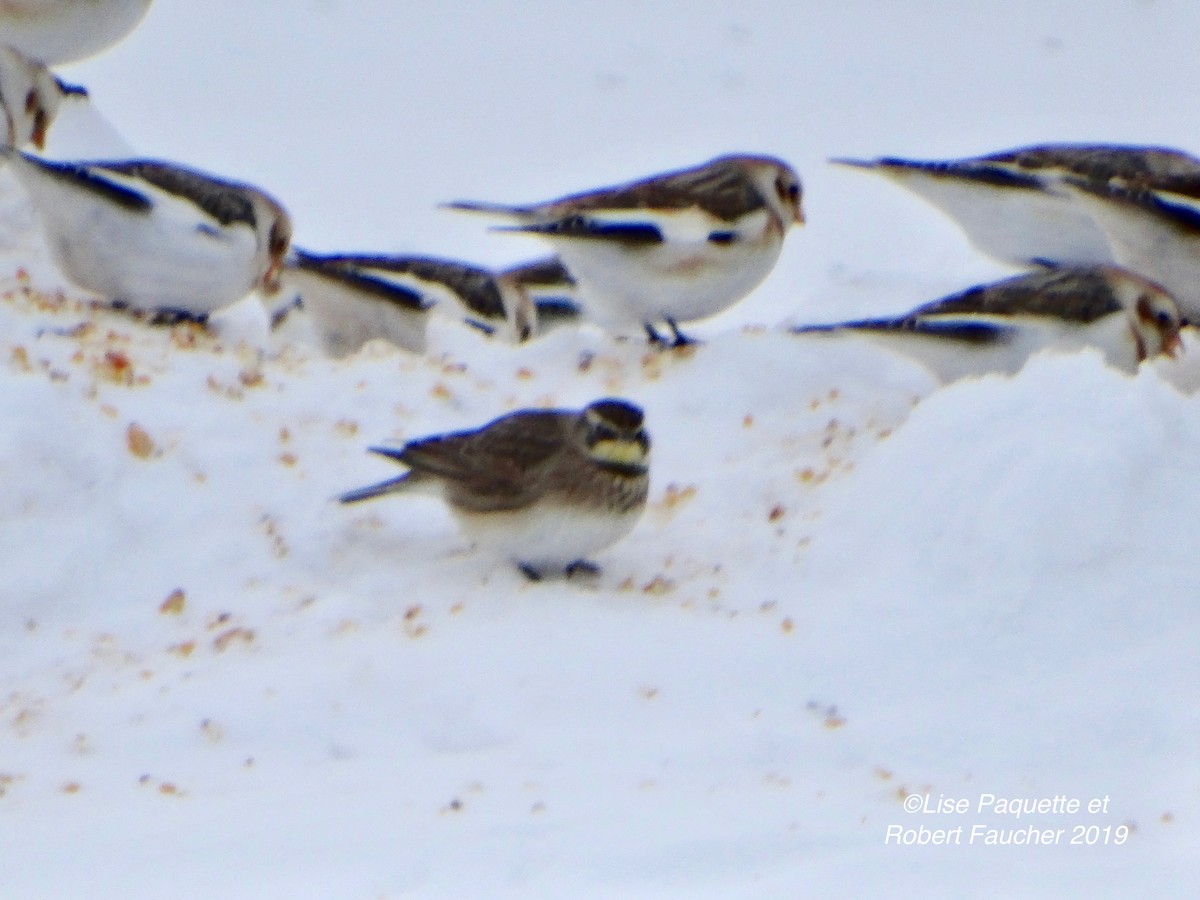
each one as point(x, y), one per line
point(1152, 227)
point(544, 488)
point(156, 237)
point(997, 327)
point(62, 31)
point(677, 247)
point(357, 298)
point(30, 95)
point(1013, 206)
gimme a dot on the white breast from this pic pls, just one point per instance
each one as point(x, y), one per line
point(175, 257)
point(685, 278)
point(346, 318)
point(1014, 225)
point(548, 537)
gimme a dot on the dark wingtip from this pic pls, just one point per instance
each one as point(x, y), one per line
point(393, 453)
point(72, 90)
point(854, 163)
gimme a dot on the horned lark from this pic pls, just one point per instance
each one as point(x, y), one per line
point(673, 248)
point(1012, 204)
point(30, 95)
point(543, 488)
point(355, 298)
point(997, 327)
point(155, 236)
point(62, 31)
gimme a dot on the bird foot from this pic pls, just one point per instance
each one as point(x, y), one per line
point(676, 341)
point(170, 317)
point(582, 568)
point(280, 314)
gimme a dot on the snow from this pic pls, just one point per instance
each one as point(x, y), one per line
point(852, 587)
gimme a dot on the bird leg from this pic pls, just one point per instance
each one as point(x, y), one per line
point(681, 339)
point(655, 338)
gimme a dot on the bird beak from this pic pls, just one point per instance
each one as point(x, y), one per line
point(38, 138)
point(799, 214)
point(1173, 345)
point(272, 279)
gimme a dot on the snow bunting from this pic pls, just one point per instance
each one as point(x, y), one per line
point(155, 236)
point(355, 298)
point(1152, 228)
point(1012, 205)
point(62, 31)
point(673, 248)
point(545, 488)
point(997, 327)
point(30, 95)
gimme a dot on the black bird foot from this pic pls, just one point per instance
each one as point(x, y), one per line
point(530, 572)
point(73, 331)
point(655, 338)
point(582, 568)
point(280, 314)
point(169, 317)
point(681, 339)
point(675, 341)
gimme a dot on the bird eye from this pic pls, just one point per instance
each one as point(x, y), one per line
point(787, 190)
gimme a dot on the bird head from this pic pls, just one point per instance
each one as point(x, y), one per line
point(780, 186)
point(1154, 315)
point(275, 231)
point(616, 437)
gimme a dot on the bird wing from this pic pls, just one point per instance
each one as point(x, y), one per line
point(965, 330)
point(996, 174)
point(720, 189)
point(1127, 166)
point(1079, 295)
point(1180, 208)
point(577, 225)
point(361, 273)
point(90, 178)
point(226, 202)
point(497, 465)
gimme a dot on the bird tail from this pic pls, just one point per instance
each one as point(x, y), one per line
point(72, 90)
point(490, 209)
point(391, 486)
point(853, 163)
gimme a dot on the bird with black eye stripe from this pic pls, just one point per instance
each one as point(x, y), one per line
point(544, 488)
point(673, 248)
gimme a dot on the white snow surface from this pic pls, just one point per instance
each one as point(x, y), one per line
point(851, 588)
